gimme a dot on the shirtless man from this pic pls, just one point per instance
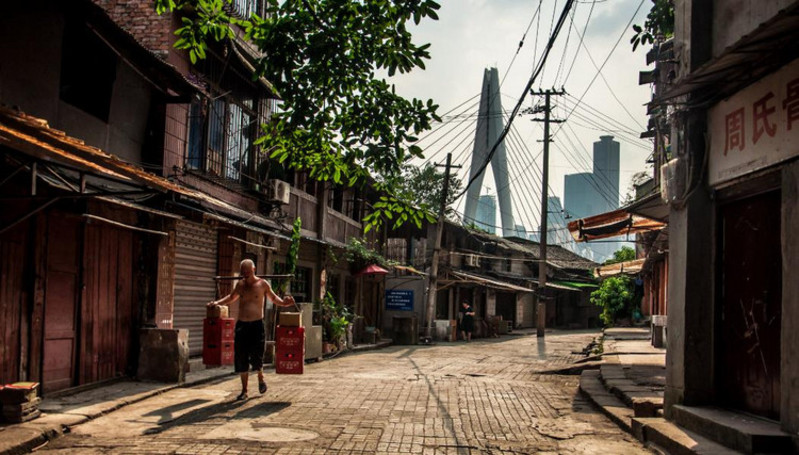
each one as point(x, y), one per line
point(250, 337)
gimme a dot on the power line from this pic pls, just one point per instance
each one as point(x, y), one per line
point(577, 51)
point(529, 85)
point(599, 71)
point(635, 13)
point(566, 46)
point(521, 43)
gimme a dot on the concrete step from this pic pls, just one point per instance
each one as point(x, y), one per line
point(644, 400)
point(741, 432)
point(675, 440)
point(591, 386)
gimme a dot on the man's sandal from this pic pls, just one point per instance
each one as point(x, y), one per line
point(242, 396)
point(262, 387)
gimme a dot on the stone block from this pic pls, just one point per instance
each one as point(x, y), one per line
point(163, 355)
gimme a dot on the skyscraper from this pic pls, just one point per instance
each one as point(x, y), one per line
point(580, 199)
point(486, 217)
point(606, 171)
point(591, 193)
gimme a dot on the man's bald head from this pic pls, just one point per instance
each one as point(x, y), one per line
point(247, 268)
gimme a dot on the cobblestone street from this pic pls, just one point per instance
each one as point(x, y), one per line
point(484, 397)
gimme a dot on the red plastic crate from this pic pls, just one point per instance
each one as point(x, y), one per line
point(218, 330)
point(218, 353)
point(290, 339)
point(289, 363)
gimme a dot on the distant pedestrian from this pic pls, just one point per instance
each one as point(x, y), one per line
point(467, 321)
point(250, 336)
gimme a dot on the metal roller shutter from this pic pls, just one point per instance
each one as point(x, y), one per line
point(195, 268)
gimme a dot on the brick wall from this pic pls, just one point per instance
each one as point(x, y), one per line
point(139, 18)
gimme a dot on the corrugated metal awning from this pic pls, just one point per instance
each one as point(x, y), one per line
point(626, 267)
point(611, 224)
point(489, 282)
point(33, 137)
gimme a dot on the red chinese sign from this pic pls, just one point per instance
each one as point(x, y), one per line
point(756, 127)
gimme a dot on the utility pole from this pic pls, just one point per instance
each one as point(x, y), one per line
point(433, 283)
point(541, 308)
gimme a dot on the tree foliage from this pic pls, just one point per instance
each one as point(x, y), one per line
point(659, 23)
point(637, 179)
point(338, 119)
point(359, 255)
point(623, 254)
point(424, 186)
point(616, 298)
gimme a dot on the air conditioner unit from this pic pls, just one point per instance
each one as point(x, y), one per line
point(471, 260)
point(277, 191)
point(672, 180)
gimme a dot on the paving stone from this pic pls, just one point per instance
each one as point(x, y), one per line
point(484, 397)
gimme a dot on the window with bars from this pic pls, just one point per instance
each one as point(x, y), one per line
point(301, 284)
point(246, 8)
point(221, 136)
point(397, 250)
point(333, 286)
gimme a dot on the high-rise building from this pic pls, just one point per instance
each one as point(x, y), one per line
point(606, 171)
point(591, 193)
point(580, 199)
point(486, 215)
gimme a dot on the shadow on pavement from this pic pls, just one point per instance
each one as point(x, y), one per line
point(216, 410)
point(166, 412)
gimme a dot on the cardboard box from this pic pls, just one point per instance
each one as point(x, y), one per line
point(287, 319)
point(216, 311)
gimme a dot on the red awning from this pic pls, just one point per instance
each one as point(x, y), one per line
point(611, 224)
point(372, 269)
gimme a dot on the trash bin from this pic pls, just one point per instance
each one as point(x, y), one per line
point(406, 329)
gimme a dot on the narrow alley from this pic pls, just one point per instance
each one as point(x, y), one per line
point(484, 397)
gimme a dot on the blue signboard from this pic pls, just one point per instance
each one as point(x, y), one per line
point(399, 300)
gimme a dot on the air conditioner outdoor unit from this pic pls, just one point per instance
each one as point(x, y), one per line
point(471, 260)
point(672, 180)
point(277, 191)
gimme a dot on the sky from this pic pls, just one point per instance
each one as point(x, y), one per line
point(472, 35)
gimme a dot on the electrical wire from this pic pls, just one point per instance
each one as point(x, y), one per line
point(521, 43)
point(532, 79)
point(627, 27)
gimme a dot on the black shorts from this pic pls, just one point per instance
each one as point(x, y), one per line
point(249, 345)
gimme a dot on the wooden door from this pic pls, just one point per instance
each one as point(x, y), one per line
point(748, 342)
point(13, 263)
point(107, 310)
point(60, 301)
point(506, 306)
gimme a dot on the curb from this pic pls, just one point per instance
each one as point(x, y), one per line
point(43, 433)
point(40, 434)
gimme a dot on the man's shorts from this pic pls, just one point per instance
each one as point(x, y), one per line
point(249, 345)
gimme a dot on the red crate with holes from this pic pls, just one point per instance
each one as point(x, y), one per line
point(218, 353)
point(218, 335)
point(217, 330)
point(289, 350)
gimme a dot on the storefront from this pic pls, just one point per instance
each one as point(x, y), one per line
point(753, 146)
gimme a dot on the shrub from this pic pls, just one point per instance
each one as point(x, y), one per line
point(616, 298)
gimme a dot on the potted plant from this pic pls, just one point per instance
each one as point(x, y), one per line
point(335, 320)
